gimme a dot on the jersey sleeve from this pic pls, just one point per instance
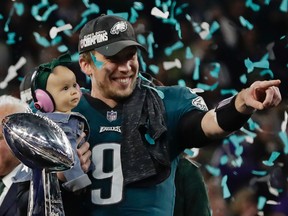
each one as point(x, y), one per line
point(180, 100)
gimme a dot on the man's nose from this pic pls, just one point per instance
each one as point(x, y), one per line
point(125, 66)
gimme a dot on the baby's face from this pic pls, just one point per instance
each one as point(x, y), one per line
point(64, 89)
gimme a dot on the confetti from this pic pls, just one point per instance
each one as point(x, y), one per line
point(225, 189)
point(169, 50)
point(149, 139)
point(167, 65)
point(55, 30)
point(245, 23)
point(270, 161)
point(158, 13)
point(12, 72)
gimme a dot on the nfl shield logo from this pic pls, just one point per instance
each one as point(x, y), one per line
point(111, 115)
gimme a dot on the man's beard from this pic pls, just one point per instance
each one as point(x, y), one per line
point(117, 95)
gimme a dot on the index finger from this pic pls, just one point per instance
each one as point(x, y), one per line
point(268, 83)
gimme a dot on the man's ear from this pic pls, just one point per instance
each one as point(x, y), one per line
point(85, 66)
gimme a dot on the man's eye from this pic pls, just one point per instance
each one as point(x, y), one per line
point(65, 88)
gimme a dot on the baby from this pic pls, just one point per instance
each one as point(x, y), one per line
point(55, 93)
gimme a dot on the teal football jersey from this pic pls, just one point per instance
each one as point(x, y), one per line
point(108, 194)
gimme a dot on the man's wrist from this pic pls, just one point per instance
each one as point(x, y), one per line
point(240, 104)
point(228, 117)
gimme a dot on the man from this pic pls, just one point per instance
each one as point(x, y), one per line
point(137, 128)
point(14, 198)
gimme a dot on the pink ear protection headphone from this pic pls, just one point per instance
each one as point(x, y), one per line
point(43, 100)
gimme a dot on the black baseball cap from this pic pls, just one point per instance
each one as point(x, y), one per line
point(108, 35)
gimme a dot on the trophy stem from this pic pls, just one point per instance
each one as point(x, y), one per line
point(45, 194)
point(36, 195)
point(53, 198)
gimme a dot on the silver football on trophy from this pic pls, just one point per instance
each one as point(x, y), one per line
point(38, 142)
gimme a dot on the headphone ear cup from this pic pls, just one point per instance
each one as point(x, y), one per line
point(44, 101)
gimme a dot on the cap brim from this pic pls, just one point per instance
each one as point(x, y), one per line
point(113, 48)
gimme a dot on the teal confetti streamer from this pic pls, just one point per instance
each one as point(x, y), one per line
point(19, 8)
point(36, 8)
point(141, 39)
point(142, 62)
point(263, 63)
point(270, 161)
point(178, 29)
point(224, 160)
point(149, 139)
point(189, 152)
point(150, 42)
point(213, 28)
point(181, 83)
point(267, 2)
point(253, 6)
point(11, 38)
point(253, 125)
point(56, 40)
point(41, 40)
point(246, 23)
point(154, 68)
point(11, 12)
point(98, 64)
point(75, 57)
point(212, 170)
point(158, 3)
point(267, 72)
point(77, 27)
point(225, 189)
point(228, 92)
point(62, 48)
point(215, 72)
point(249, 133)
point(134, 16)
point(138, 6)
point(168, 51)
point(86, 3)
point(196, 73)
point(284, 139)
point(93, 9)
point(188, 17)
point(243, 78)
point(249, 65)
point(261, 202)
point(259, 173)
point(179, 10)
point(284, 6)
point(188, 53)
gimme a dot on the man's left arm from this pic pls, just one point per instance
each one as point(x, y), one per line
point(232, 113)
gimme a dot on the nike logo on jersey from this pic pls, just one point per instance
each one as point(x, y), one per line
point(109, 129)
